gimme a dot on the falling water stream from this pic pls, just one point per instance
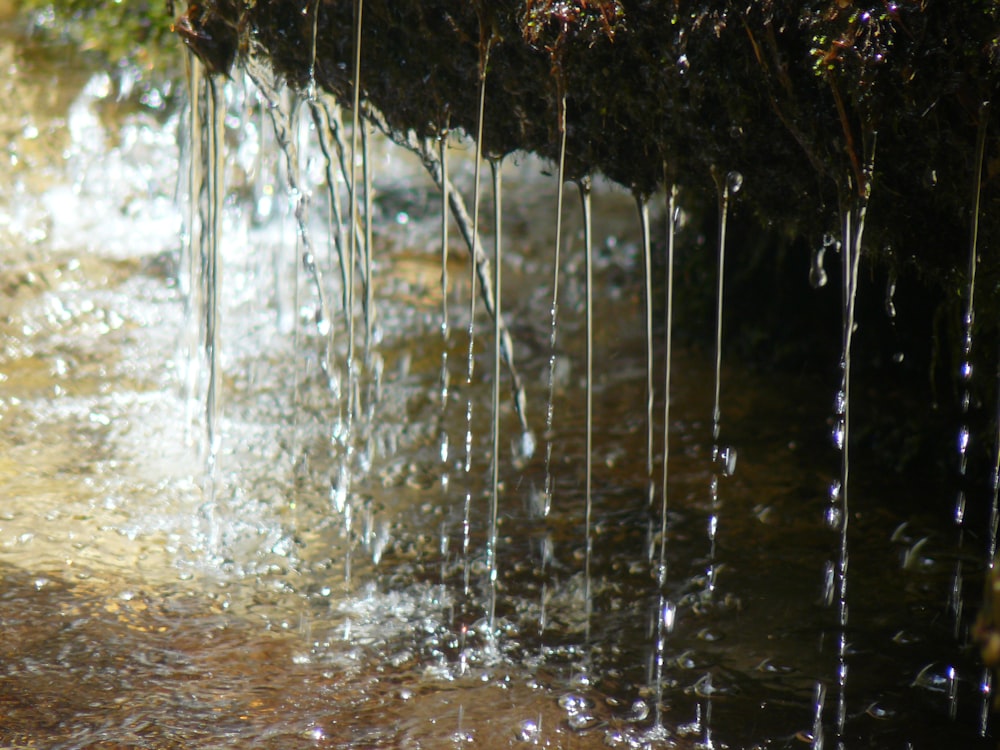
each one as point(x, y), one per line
point(348, 591)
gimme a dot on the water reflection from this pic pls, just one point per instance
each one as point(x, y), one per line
point(301, 626)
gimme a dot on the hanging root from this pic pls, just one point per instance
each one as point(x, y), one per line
point(432, 163)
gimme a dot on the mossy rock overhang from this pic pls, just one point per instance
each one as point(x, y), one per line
point(813, 103)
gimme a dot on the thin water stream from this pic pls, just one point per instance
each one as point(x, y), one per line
point(351, 591)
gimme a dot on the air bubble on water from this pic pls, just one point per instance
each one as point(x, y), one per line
point(573, 703)
point(530, 731)
point(639, 710)
point(580, 722)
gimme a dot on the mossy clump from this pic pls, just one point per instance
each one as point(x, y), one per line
point(137, 33)
point(816, 103)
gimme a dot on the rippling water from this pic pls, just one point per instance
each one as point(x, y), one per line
point(137, 613)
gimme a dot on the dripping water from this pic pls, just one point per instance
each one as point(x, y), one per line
point(965, 368)
point(194, 237)
point(585, 199)
point(328, 124)
point(554, 309)
point(353, 213)
point(342, 485)
point(286, 133)
point(445, 335)
point(474, 267)
point(313, 12)
point(817, 739)
point(496, 168)
point(672, 216)
point(643, 205)
point(723, 458)
point(986, 675)
point(211, 261)
point(965, 378)
point(817, 273)
point(322, 124)
point(443, 157)
point(200, 281)
point(666, 609)
point(554, 315)
point(994, 522)
point(853, 231)
point(368, 309)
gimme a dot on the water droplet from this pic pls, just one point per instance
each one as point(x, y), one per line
point(668, 615)
point(839, 401)
point(524, 448)
point(734, 181)
point(834, 491)
point(963, 439)
point(833, 517)
point(890, 293)
point(829, 576)
point(581, 721)
point(838, 434)
point(817, 274)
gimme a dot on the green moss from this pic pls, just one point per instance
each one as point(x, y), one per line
point(134, 31)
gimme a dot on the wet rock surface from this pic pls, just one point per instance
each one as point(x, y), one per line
point(814, 103)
